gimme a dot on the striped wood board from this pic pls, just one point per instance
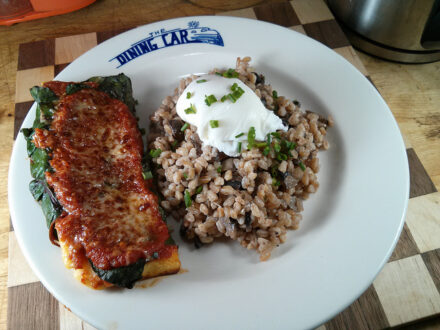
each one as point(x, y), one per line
point(407, 289)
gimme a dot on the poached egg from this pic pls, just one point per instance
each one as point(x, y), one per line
point(225, 124)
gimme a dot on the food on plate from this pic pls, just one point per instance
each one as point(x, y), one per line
point(91, 178)
point(234, 159)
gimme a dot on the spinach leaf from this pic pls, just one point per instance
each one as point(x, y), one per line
point(39, 163)
point(30, 146)
point(124, 277)
point(49, 203)
point(37, 189)
point(73, 88)
point(37, 121)
point(50, 209)
point(48, 112)
point(43, 94)
point(118, 87)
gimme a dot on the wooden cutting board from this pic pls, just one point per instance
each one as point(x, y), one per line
point(407, 289)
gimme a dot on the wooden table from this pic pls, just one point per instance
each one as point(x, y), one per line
point(411, 91)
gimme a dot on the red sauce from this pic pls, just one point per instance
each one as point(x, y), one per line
point(111, 217)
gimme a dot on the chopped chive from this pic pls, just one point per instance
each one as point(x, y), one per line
point(275, 182)
point(268, 139)
point(147, 175)
point(188, 95)
point(237, 93)
point(231, 73)
point(173, 145)
point(261, 144)
point(239, 147)
point(210, 99)
point(231, 97)
point(191, 109)
point(234, 87)
point(201, 81)
point(218, 73)
point(251, 137)
point(185, 175)
point(219, 169)
point(213, 123)
point(274, 170)
point(266, 151)
point(277, 147)
point(274, 94)
point(154, 153)
point(187, 198)
point(199, 189)
point(237, 136)
point(290, 145)
point(303, 167)
point(283, 156)
point(276, 135)
point(184, 127)
point(224, 98)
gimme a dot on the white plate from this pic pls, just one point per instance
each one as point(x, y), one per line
point(350, 225)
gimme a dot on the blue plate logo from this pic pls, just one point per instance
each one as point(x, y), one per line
point(162, 38)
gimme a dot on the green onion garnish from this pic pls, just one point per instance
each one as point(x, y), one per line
point(224, 98)
point(154, 153)
point(184, 127)
point(274, 94)
point(268, 139)
point(187, 198)
point(281, 156)
point(239, 147)
point(251, 137)
point(237, 136)
point(219, 169)
point(231, 73)
point(185, 175)
point(290, 145)
point(199, 189)
point(213, 123)
point(191, 109)
point(218, 73)
point(201, 81)
point(303, 167)
point(276, 135)
point(188, 95)
point(173, 145)
point(238, 93)
point(275, 182)
point(231, 97)
point(260, 144)
point(210, 99)
point(266, 151)
point(277, 147)
point(147, 175)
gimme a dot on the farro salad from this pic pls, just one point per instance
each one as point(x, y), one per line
point(253, 196)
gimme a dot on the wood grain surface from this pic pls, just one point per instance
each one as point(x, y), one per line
point(411, 91)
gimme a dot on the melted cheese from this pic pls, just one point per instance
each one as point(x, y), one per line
point(111, 218)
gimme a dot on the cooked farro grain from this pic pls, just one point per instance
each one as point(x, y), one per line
point(254, 198)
